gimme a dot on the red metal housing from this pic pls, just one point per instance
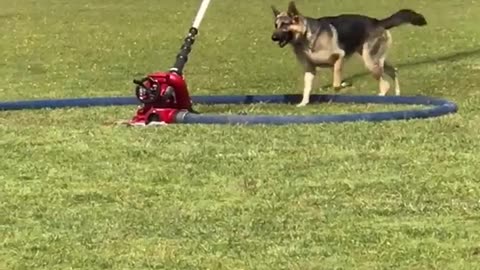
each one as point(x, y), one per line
point(173, 96)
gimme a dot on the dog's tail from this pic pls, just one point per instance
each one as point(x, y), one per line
point(403, 16)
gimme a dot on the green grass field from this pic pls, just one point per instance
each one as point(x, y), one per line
point(79, 192)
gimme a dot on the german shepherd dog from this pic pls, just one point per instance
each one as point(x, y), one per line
point(329, 41)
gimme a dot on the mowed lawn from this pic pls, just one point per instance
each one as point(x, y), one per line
point(79, 192)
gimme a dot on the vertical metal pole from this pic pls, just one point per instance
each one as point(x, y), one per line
point(182, 56)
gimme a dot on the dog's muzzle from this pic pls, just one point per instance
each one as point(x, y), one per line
point(282, 38)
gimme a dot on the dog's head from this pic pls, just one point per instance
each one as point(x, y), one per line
point(289, 25)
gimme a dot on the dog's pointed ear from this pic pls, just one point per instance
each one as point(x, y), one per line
point(292, 9)
point(275, 11)
point(296, 19)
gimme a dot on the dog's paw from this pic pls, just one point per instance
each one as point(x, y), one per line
point(302, 104)
point(344, 84)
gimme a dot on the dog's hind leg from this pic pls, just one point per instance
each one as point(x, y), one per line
point(392, 72)
point(376, 67)
point(374, 52)
point(337, 71)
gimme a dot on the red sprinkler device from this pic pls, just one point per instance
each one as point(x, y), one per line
point(164, 94)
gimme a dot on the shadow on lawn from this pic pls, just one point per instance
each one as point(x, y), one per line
point(449, 57)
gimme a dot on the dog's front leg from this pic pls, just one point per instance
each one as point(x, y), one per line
point(339, 60)
point(337, 74)
point(308, 78)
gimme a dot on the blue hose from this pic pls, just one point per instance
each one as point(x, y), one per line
point(440, 107)
point(67, 103)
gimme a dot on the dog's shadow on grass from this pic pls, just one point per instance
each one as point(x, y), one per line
point(433, 60)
